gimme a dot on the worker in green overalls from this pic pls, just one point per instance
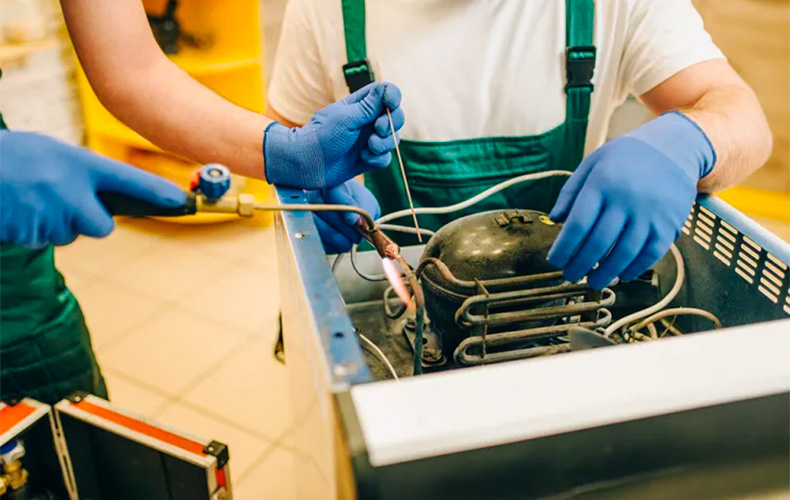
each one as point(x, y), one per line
point(45, 349)
point(498, 88)
point(48, 195)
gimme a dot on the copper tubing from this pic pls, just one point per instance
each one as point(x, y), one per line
point(473, 285)
point(245, 204)
point(307, 207)
point(419, 319)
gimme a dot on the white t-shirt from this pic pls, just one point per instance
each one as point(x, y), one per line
point(484, 68)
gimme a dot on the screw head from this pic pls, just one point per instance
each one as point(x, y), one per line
point(344, 369)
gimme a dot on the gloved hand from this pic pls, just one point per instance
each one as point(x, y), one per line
point(336, 229)
point(627, 202)
point(341, 141)
point(48, 190)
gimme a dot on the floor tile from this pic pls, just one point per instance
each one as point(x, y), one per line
point(75, 277)
point(268, 330)
point(230, 239)
point(243, 447)
point(272, 479)
point(128, 395)
point(112, 310)
point(172, 350)
point(170, 274)
point(253, 388)
point(241, 295)
point(99, 256)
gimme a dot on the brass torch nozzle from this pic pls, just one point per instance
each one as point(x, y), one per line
point(380, 241)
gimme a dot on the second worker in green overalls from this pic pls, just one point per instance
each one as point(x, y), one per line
point(495, 88)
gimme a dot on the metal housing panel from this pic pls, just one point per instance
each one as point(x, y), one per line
point(322, 352)
point(326, 362)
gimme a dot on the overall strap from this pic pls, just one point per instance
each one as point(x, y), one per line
point(580, 66)
point(357, 70)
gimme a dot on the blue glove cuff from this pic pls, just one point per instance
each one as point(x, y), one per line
point(288, 154)
point(681, 140)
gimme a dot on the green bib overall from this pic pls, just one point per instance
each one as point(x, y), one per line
point(445, 173)
point(45, 348)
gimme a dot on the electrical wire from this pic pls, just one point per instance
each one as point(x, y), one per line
point(405, 229)
point(651, 327)
point(380, 354)
point(388, 312)
point(679, 279)
point(477, 198)
point(679, 311)
point(337, 262)
point(670, 327)
point(365, 276)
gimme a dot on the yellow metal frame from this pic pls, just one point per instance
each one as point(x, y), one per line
point(759, 202)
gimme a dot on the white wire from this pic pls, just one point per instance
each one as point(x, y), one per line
point(380, 354)
point(475, 199)
point(405, 229)
point(679, 278)
point(446, 210)
point(679, 311)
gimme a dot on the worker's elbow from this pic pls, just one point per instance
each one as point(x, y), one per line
point(766, 144)
point(762, 140)
point(119, 86)
point(112, 87)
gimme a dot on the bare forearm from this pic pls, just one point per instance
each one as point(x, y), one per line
point(734, 122)
point(178, 114)
point(144, 89)
point(713, 95)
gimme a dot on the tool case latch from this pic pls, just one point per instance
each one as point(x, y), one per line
point(580, 66)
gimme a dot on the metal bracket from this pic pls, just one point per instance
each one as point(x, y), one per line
point(432, 355)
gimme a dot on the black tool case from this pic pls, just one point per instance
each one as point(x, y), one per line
point(86, 448)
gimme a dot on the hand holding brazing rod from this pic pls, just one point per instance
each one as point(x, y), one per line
point(340, 142)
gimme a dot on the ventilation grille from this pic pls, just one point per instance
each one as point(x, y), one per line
point(747, 259)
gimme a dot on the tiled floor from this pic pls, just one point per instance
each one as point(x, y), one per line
point(183, 320)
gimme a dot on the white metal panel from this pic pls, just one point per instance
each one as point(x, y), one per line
point(467, 409)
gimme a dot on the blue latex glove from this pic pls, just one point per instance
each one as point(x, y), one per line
point(341, 141)
point(627, 201)
point(48, 190)
point(337, 230)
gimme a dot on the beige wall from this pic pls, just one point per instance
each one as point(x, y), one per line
point(755, 35)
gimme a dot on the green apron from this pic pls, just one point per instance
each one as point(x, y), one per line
point(445, 173)
point(45, 348)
